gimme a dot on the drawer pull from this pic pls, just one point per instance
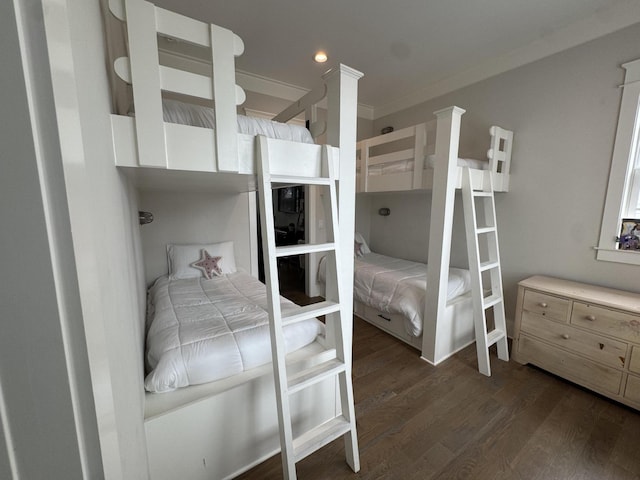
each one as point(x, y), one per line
point(384, 318)
point(591, 318)
point(543, 305)
point(565, 336)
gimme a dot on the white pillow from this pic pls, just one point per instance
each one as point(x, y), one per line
point(180, 258)
point(364, 248)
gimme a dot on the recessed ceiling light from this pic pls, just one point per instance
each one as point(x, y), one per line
point(320, 57)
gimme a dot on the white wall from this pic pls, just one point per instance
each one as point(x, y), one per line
point(194, 217)
point(563, 110)
point(103, 214)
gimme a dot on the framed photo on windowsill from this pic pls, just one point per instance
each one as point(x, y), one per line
point(629, 238)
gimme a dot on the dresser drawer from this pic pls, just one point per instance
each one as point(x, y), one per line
point(548, 306)
point(598, 348)
point(610, 322)
point(570, 366)
point(632, 390)
point(634, 363)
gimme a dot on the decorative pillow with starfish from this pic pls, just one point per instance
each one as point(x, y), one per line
point(190, 261)
point(208, 265)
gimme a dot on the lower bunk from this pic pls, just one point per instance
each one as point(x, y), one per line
point(390, 293)
point(210, 406)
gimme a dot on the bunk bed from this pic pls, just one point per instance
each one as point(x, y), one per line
point(219, 428)
point(425, 157)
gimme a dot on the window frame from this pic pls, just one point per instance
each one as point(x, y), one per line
point(624, 153)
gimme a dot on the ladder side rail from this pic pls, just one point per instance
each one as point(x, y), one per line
point(473, 251)
point(496, 282)
point(278, 349)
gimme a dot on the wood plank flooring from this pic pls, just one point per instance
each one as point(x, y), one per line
point(416, 421)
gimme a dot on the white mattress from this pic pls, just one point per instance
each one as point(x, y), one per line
point(407, 165)
point(204, 330)
point(394, 285)
point(200, 116)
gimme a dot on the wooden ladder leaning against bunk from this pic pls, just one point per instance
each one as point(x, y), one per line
point(484, 259)
point(333, 363)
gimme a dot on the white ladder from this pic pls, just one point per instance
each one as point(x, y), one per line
point(484, 261)
point(332, 363)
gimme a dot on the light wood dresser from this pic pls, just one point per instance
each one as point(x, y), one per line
point(587, 334)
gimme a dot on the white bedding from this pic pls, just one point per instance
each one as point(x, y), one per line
point(394, 285)
point(200, 116)
point(204, 330)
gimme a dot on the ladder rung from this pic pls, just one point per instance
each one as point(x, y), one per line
point(491, 300)
point(303, 248)
point(315, 374)
point(494, 336)
point(489, 265)
point(310, 311)
point(485, 230)
point(296, 180)
point(320, 436)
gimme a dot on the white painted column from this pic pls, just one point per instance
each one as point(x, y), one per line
point(442, 206)
point(342, 117)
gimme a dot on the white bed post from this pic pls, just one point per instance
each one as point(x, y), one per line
point(442, 206)
point(342, 117)
point(145, 82)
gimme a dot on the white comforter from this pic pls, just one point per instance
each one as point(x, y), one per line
point(200, 116)
point(204, 330)
point(394, 285)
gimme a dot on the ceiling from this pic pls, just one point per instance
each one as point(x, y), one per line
point(409, 50)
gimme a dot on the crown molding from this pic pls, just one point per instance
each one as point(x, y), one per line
point(604, 22)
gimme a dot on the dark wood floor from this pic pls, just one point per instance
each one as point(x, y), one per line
point(416, 421)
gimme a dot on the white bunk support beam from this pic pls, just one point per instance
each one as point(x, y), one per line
point(440, 228)
point(148, 78)
point(307, 104)
point(342, 114)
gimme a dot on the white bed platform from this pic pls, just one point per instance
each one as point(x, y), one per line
point(404, 160)
point(400, 161)
point(457, 330)
point(219, 429)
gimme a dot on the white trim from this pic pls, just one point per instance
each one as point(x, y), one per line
point(625, 141)
point(603, 22)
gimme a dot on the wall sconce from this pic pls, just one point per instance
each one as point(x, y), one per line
point(145, 217)
point(385, 212)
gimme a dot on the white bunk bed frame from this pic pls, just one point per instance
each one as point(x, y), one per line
point(203, 432)
point(448, 326)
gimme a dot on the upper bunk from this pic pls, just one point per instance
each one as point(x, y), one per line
point(406, 159)
point(158, 57)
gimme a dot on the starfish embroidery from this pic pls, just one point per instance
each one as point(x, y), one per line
point(208, 265)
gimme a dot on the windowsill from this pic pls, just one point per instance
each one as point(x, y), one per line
point(630, 257)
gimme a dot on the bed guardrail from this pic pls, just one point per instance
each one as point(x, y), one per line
point(148, 78)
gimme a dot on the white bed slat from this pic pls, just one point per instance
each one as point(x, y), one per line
point(178, 81)
point(420, 142)
point(225, 77)
point(143, 50)
point(391, 137)
point(407, 154)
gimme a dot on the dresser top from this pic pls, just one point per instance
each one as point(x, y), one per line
point(608, 297)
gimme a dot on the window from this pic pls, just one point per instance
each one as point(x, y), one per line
point(623, 193)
